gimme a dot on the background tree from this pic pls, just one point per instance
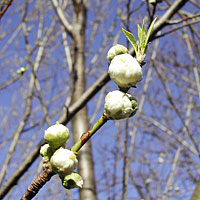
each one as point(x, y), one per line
point(53, 64)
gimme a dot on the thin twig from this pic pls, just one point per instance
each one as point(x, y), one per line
point(5, 8)
point(178, 153)
point(176, 28)
point(173, 104)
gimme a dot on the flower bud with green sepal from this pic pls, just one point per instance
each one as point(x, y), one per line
point(125, 71)
point(56, 135)
point(63, 161)
point(22, 70)
point(116, 50)
point(46, 151)
point(120, 105)
point(72, 180)
point(155, 1)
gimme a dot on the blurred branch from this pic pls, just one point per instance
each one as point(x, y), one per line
point(192, 57)
point(62, 17)
point(151, 15)
point(195, 3)
point(183, 19)
point(139, 113)
point(170, 133)
point(178, 154)
point(21, 124)
point(44, 107)
point(177, 28)
point(125, 161)
point(171, 101)
point(32, 81)
point(10, 40)
point(4, 7)
point(137, 186)
point(98, 106)
point(19, 130)
point(9, 82)
point(67, 48)
point(163, 21)
point(68, 113)
point(20, 171)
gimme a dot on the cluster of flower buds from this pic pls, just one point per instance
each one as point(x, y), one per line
point(62, 161)
point(125, 71)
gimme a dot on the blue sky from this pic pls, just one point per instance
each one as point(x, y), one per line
point(55, 70)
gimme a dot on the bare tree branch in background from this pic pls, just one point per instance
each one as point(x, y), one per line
point(152, 156)
point(4, 6)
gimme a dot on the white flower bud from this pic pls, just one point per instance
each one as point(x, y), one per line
point(63, 161)
point(119, 105)
point(56, 135)
point(72, 180)
point(46, 151)
point(116, 50)
point(125, 71)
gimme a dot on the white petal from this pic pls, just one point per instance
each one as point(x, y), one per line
point(125, 70)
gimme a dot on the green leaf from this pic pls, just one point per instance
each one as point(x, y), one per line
point(131, 39)
point(143, 44)
point(149, 31)
point(143, 29)
point(139, 36)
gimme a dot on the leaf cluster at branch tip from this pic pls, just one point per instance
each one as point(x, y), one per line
point(140, 47)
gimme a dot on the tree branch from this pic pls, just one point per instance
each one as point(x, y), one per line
point(162, 22)
point(5, 8)
point(68, 113)
point(62, 17)
point(47, 173)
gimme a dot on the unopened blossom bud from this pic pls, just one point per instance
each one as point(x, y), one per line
point(120, 105)
point(56, 135)
point(63, 161)
point(116, 50)
point(46, 151)
point(72, 180)
point(125, 70)
point(155, 1)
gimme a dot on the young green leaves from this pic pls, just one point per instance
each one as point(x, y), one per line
point(131, 39)
point(143, 38)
